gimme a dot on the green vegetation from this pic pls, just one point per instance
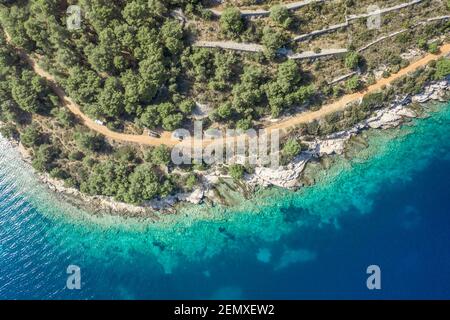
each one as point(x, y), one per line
point(88, 141)
point(291, 149)
point(160, 155)
point(125, 58)
point(353, 84)
point(272, 40)
point(236, 171)
point(286, 90)
point(31, 136)
point(66, 150)
point(433, 48)
point(442, 68)
point(44, 157)
point(132, 66)
point(231, 22)
point(281, 16)
point(352, 60)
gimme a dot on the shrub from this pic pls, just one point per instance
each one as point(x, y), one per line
point(291, 148)
point(143, 184)
point(272, 41)
point(281, 16)
point(59, 173)
point(236, 171)
point(76, 155)
point(352, 60)
point(160, 155)
point(187, 106)
point(64, 116)
point(31, 136)
point(433, 48)
point(353, 84)
point(44, 156)
point(442, 68)
point(231, 22)
point(244, 124)
point(90, 141)
point(190, 182)
point(422, 44)
point(9, 131)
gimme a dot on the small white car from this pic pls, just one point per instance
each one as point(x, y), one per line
point(99, 122)
point(153, 134)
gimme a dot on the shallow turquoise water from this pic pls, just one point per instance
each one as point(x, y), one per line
point(389, 206)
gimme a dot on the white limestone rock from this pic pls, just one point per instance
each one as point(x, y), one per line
point(284, 177)
point(194, 197)
point(333, 143)
point(435, 91)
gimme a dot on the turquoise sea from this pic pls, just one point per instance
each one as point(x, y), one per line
point(387, 206)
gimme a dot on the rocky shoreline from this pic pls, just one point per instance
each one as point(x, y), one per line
point(94, 204)
point(334, 144)
point(287, 176)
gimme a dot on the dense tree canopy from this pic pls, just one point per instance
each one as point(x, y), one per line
point(286, 90)
point(132, 65)
point(31, 136)
point(143, 184)
point(126, 57)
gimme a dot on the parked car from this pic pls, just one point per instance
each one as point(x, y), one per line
point(153, 134)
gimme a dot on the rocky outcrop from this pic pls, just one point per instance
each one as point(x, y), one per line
point(335, 144)
point(435, 91)
point(284, 177)
point(389, 118)
point(194, 197)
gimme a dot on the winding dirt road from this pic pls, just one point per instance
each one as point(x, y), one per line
point(341, 104)
point(166, 136)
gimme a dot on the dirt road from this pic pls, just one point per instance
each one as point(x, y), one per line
point(166, 137)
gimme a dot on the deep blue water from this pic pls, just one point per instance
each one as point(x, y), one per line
point(389, 207)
